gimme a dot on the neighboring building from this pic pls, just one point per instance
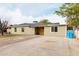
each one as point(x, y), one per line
point(52, 29)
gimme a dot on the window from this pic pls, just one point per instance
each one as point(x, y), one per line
point(22, 29)
point(15, 29)
point(69, 28)
point(54, 29)
point(9, 27)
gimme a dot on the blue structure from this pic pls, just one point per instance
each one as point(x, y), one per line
point(70, 34)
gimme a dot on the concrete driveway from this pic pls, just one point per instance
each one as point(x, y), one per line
point(38, 46)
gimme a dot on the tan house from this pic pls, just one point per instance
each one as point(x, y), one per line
point(52, 29)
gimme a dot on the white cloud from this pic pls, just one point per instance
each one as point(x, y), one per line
point(16, 17)
point(53, 18)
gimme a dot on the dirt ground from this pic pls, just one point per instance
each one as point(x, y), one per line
point(39, 46)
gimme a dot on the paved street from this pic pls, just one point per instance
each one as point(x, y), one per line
point(40, 46)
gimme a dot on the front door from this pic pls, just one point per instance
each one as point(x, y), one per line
point(39, 30)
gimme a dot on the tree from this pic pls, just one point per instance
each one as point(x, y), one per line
point(44, 21)
point(71, 12)
point(3, 26)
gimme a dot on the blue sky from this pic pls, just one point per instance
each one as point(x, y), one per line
point(28, 12)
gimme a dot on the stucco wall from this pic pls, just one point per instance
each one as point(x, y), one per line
point(61, 31)
point(47, 31)
point(27, 30)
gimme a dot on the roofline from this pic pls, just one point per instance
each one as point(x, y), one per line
point(38, 25)
point(63, 25)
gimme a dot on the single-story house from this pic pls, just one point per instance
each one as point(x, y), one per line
point(52, 29)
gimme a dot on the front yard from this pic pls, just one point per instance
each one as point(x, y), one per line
point(26, 45)
point(10, 35)
point(13, 38)
point(36, 45)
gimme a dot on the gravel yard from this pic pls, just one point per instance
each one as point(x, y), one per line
point(4, 40)
point(38, 46)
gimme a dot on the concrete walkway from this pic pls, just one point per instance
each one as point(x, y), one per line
point(39, 46)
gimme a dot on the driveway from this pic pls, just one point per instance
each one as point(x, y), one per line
point(38, 46)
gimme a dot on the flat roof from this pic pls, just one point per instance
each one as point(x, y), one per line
point(37, 25)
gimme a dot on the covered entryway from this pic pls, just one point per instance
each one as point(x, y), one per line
point(39, 30)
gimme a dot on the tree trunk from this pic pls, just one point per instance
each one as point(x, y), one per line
point(2, 33)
